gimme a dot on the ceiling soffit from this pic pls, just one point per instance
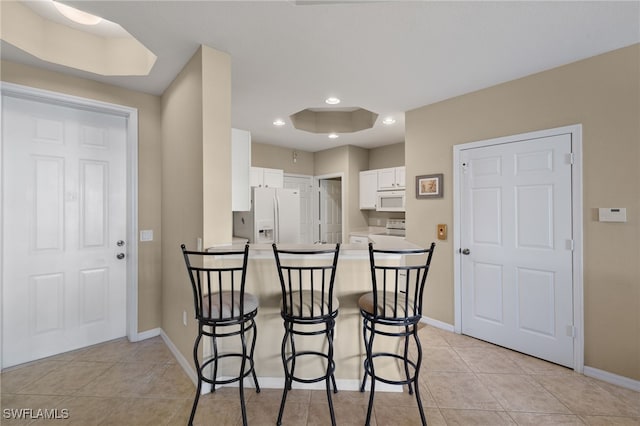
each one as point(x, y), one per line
point(329, 120)
point(60, 44)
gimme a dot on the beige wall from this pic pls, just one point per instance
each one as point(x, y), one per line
point(276, 157)
point(602, 93)
point(195, 186)
point(149, 169)
point(358, 160)
point(216, 153)
point(386, 156)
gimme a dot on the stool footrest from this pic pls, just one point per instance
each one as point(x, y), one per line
point(367, 368)
point(331, 369)
point(215, 381)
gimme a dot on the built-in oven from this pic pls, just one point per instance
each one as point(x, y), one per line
point(390, 201)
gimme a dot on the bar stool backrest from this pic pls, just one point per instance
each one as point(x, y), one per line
point(211, 274)
point(398, 289)
point(306, 281)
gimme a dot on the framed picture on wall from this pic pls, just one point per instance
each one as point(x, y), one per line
point(429, 186)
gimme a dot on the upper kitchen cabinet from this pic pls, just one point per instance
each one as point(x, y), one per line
point(262, 177)
point(368, 189)
point(240, 165)
point(391, 178)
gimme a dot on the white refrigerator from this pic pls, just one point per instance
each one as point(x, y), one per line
point(274, 217)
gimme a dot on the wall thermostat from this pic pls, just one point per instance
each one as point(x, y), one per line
point(612, 214)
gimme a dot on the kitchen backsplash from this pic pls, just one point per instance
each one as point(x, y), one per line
point(380, 218)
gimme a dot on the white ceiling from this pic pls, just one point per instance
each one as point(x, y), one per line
point(385, 56)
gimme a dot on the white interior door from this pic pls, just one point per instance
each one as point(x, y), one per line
point(304, 185)
point(516, 232)
point(331, 210)
point(64, 211)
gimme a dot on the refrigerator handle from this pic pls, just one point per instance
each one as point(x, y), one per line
point(276, 219)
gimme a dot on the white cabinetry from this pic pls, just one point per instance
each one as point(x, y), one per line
point(240, 164)
point(368, 189)
point(391, 178)
point(372, 181)
point(267, 178)
point(401, 177)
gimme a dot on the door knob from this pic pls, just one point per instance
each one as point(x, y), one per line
point(120, 243)
point(465, 251)
point(120, 256)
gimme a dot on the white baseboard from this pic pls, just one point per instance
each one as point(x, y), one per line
point(148, 334)
point(614, 379)
point(437, 324)
point(182, 361)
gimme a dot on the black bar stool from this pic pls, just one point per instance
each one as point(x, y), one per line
point(223, 309)
point(395, 303)
point(307, 301)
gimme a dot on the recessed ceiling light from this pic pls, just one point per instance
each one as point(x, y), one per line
point(279, 122)
point(332, 100)
point(333, 136)
point(388, 121)
point(76, 15)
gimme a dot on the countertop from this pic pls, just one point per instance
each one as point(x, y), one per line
point(365, 232)
point(347, 250)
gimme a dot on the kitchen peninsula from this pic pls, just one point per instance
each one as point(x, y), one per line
point(353, 278)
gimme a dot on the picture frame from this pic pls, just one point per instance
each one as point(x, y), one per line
point(430, 186)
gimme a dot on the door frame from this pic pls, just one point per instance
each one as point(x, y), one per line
point(131, 114)
point(577, 227)
point(316, 202)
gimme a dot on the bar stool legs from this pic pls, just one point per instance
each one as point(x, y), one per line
point(245, 356)
point(417, 383)
point(369, 369)
point(289, 363)
point(394, 304)
point(199, 386)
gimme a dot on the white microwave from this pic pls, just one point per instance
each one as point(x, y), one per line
point(390, 201)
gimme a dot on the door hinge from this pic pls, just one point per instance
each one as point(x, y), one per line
point(571, 331)
point(570, 158)
point(570, 245)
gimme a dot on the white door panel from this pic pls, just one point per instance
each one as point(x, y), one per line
point(64, 189)
point(288, 220)
point(304, 185)
point(331, 211)
point(516, 218)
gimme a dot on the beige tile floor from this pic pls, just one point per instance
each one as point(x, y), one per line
point(463, 382)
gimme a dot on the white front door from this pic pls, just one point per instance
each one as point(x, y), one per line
point(331, 211)
point(64, 211)
point(304, 185)
point(516, 246)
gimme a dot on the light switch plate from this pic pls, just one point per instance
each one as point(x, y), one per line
point(442, 231)
point(146, 235)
